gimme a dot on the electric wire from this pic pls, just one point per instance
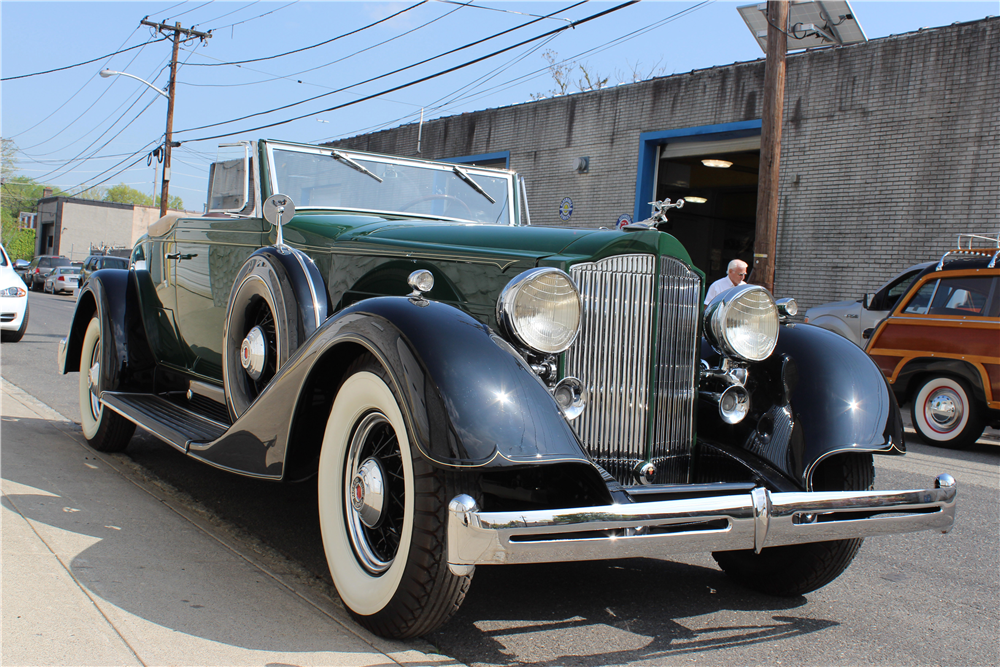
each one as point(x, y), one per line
point(85, 62)
point(289, 77)
point(535, 74)
point(86, 83)
point(422, 62)
point(231, 25)
point(306, 48)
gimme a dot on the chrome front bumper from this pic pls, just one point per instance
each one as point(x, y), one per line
point(755, 521)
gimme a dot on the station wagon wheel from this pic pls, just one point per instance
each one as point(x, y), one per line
point(801, 568)
point(945, 414)
point(104, 429)
point(383, 513)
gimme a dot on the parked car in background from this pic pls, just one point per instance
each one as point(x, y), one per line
point(21, 268)
point(62, 279)
point(98, 262)
point(940, 347)
point(851, 318)
point(13, 301)
point(466, 389)
point(40, 267)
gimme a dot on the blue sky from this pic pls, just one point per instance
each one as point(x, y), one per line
point(74, 128)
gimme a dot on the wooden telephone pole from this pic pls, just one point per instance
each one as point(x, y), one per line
point(167, 142)
point(765, 241)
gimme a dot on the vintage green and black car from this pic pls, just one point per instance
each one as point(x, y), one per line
point(467, 389)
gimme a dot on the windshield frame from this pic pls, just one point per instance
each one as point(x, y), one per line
point(509, 178)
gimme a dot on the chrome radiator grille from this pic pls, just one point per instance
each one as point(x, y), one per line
point(638, 362)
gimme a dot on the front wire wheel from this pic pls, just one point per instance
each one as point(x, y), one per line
point(802, 568)
point(104, 429)
point(383, 513)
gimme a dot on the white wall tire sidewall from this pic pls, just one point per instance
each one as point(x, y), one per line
point(360, 591)
point(91, 338)
point(924, 426)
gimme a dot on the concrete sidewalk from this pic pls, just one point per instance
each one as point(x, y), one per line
point(98, 569)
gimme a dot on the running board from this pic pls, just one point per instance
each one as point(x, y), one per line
point(172, 423)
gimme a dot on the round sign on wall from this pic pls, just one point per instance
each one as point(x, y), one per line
point(624, 219)
point(565, 208)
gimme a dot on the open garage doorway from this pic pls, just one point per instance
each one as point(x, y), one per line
point(718, 221)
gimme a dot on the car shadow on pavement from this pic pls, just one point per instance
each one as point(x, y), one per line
point(628, 611)
point(136, 559)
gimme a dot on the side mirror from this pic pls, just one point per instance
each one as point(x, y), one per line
point(869, 299)
point(278, 210)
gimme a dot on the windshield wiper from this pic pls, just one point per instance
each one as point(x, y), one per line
point(354, 165)
point(475, 186)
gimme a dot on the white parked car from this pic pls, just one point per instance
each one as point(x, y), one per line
point(851, 319)
point(13, 301)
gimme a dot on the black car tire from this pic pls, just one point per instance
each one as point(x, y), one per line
point(958, 431)
point(15, 336)
point(104, 429)
point(35, 287)
point(392, 574)
point(798, 569)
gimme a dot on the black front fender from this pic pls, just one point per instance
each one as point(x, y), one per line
point(817, 395)
point(469, 401)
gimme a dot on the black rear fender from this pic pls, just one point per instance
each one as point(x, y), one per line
point(112, 295)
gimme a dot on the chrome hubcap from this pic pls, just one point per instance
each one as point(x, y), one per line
point(943, 409)
point(253, 353)
point(374, 491)
point(367, 493)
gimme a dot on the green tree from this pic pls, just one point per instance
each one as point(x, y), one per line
point(123, 194)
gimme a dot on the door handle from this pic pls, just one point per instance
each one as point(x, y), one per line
point(177, 255)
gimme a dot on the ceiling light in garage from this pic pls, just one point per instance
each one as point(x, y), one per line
point(718, 164)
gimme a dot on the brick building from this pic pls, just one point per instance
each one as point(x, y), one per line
point(890, 149)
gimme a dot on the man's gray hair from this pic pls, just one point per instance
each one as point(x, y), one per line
point(737, 264)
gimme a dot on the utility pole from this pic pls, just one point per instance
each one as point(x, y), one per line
point(167, 142)
point(770, 145)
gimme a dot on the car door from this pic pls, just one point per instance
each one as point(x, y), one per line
point(205, 257)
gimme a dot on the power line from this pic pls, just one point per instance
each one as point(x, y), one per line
point(85, 62)
point(426, 78)
point(422, 62)
point(306, 48)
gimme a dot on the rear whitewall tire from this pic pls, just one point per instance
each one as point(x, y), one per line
point(104, 429)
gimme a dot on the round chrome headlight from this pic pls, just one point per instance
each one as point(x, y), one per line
point(542, 309)
point(743, 323)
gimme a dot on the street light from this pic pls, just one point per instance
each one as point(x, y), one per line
point(110, 72)
point(165, 188)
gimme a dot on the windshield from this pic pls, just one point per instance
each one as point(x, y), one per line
point(362, 182)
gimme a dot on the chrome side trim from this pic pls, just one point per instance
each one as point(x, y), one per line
point(755, 521)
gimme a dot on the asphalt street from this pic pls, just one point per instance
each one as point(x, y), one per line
point(917, 599)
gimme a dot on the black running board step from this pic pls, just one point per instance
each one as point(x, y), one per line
point(168, 421)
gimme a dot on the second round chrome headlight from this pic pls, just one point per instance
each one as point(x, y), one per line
point(743, 323)
point(542, 309)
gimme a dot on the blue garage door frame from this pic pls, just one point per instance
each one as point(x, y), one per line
point(649, 142)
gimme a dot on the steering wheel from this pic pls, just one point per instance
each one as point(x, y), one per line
point(430, 197)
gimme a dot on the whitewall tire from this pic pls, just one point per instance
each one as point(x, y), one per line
point(104, 429)
point(388, 562)
point(945, 413)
